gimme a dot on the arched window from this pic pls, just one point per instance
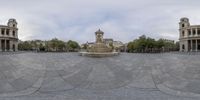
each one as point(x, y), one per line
point(183, 33)
point(7, 31)
point(13, 33)
point(13, 25)
point(183, 46)
point(2, 31)
point(189, 32)
point(183, 25)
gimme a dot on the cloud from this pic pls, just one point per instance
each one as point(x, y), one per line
point(122, 20)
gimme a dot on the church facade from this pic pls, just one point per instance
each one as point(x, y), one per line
point(9, 36)
point(189, 36)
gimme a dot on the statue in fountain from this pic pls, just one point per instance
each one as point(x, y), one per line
point(99, 48)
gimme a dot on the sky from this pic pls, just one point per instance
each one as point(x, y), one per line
point(122, 20)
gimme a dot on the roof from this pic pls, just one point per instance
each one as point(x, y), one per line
point(108, 39)
point(195, 26)
point(99, 31)
point(3, 26)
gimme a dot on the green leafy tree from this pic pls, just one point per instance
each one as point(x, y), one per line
point(72, 45)
point(147, 44)
point(25, 46)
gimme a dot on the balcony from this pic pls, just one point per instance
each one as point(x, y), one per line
point(8, 36)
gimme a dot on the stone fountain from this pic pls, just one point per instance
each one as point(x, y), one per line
point(99, 48)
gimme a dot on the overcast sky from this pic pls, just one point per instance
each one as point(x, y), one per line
point(77, 20)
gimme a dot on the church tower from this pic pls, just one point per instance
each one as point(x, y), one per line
point(183, 25)
point(12, 23)
point(99, 36)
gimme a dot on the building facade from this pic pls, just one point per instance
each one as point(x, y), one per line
point(9, 36)
point(108, 42)
point(189, 36)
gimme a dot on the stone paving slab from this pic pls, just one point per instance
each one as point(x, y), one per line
point(67, 76)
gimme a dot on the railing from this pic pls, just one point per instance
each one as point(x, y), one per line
point(6, 36)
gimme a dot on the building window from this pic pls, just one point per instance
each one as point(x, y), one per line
point(194, 31)
point(183, 33)
point(13, 33)
point(13, 25)
point(7, 31)
point(198, 31)
point(189, 32)
point(183, 25)
point(2, 31)
point(183, 46)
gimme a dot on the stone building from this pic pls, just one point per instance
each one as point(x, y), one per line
point(118, 46)
point(189, 36)
point(9, 36)
point(108, 41)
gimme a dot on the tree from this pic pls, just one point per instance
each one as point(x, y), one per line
point(147, 44)
point(41, 47)
point(160, 43)
point(130, 46)
point(72, 45)
point(25, 46)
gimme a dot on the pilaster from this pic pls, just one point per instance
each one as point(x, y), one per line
point(0, 46)
point(191, 45)
point(196, 32)
point(196, 45)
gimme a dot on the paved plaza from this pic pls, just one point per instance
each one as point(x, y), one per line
point(67, 76)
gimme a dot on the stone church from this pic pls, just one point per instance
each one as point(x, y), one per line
point(9, 36)
point(189, 36)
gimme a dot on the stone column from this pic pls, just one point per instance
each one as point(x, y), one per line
point(0, 46)
point(0, 41)
point(191, 32)
point(5, 45)
point(0, 32)
point(15, 33)
point(186, 45)
point(196, 45)
point(16, 46)
point(5, 31)
point(10, 32)
point(186, 34)
point(191, 45)
point(10, 44)
point(196, 31)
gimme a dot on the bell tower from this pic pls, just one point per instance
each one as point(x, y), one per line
point(99, 36)
point(12, 23)
point(183, 25)
point(184, 22)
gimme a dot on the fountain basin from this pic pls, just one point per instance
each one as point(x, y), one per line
point(99, 54)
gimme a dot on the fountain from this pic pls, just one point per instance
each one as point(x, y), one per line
point(99, 49)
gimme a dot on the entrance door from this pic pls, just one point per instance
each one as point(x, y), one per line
point(3, 45)
point(7, 45)
point(183, 47)
point(13, 47)
point(198, 45)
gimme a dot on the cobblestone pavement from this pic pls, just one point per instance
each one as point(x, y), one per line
point(67, 76)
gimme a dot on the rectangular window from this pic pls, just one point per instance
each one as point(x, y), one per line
point(13, 33)
point(194, 31)
point(189, 32)
point(183, 25)
point(7, 31)
point(198, 31)
point(2, 31)
point(183, 33)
